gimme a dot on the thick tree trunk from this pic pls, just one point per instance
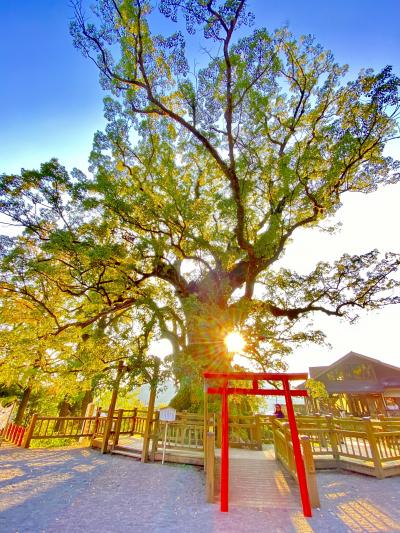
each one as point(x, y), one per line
point(64, 409)
point(205, 350)
point(111, 408)
point(86, 400)
point(207, 329)
point(23, 405)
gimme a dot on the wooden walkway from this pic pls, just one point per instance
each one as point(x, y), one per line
point(257, 480)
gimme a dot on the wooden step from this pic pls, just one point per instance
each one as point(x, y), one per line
point(128, 452)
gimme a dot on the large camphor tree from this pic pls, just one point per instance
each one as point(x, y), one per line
point(201, 179)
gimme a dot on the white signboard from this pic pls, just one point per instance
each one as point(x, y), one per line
point(168, 414)
point(5, 415)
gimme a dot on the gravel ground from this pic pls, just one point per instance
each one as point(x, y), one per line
point(79, 490)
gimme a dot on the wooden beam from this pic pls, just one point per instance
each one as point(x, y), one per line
point(259, 376)
point(111, 409)
point(149, 422)
point(256, 392)
point(210, 466)
point(150, 411)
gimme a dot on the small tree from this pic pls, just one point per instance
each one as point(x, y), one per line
point(318, 393)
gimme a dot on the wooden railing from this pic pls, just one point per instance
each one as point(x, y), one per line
point(360, 444)
point(186, 432)
point(246, 431)
point(13, 433)
point(336, 442)
point(285, 455)
point(127, 422)
point(52, 427)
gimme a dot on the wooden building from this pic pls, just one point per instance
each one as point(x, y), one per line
point(359, 385)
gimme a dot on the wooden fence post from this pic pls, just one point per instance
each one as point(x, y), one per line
point(154, 437)
point(257, 432)
point(134, 417)
point(95, 425)
point(210, 469)
point(219, 431)
point(110, 415)
point(149, 422)
point(117, 428)
point(86, 424)
point(29, 432)
point(310, 471)
point(288, 442)
point(374, 447)
point(273, 429)
point(333, 437)
point(107, 433)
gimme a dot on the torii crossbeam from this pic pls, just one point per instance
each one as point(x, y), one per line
point(224, 390)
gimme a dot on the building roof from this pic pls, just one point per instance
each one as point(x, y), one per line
point(315, 370)
point(318, 372)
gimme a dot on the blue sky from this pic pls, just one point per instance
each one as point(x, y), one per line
point(51, 102)
point(51, 105)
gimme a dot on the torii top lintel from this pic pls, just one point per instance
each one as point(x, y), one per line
point(255, 377)
point(259, 376)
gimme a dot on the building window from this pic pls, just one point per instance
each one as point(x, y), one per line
point(336, 374)
point(360, 371)
point(352, 371)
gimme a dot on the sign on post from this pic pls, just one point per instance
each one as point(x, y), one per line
point(5, 415)
point(167, 414)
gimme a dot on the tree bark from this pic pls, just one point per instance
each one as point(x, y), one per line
point(86, 400)
point(64, 409)
point(121, 369)
point(23, 405)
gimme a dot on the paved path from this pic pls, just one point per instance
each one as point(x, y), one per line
point(80, 490)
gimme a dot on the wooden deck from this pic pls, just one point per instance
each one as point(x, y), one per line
point(132, 447)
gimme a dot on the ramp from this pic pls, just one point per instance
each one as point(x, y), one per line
point(257, 480)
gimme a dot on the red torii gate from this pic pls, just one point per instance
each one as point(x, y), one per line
point(224, 390)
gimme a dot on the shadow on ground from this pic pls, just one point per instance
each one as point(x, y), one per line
point(78, 489)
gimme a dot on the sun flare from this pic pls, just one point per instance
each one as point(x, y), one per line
point(234, 342)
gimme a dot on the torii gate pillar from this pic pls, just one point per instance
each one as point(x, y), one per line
point(224, 390)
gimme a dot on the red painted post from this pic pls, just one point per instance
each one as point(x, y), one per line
point(224, 391)
point(16, 433)
point(8, 432)
point(224, 451)
point(301, 472)
point(13, 432)
point(21, 436)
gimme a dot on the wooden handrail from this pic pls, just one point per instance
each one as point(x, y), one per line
point(310, 472)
